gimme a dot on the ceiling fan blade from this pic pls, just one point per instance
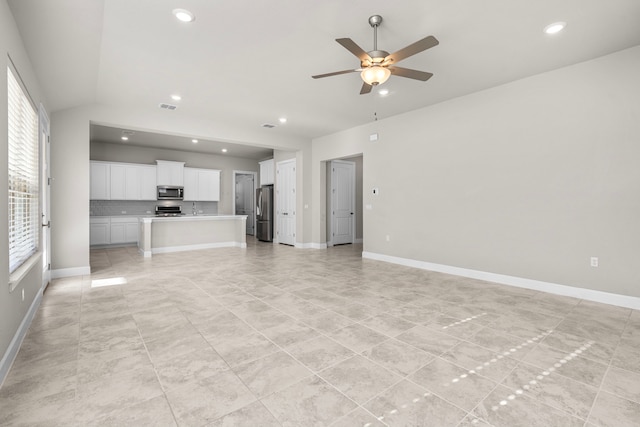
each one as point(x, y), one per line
point(352, 47)
point(366, 88)
point(336, 73)
point(412, 49)
point(411, 74)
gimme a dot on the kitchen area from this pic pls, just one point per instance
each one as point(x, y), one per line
point(185, 202)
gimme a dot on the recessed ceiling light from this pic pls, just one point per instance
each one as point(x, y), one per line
point(283, 119)
point(555, 28)
point(384, 92)
point(176, 97)
point(184, 15)
point(224, 150)
point(124, 138)
point(195, 141)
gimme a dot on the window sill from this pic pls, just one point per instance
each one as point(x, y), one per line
point(16, 277)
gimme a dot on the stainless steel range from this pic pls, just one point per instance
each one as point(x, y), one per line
point(169, 209)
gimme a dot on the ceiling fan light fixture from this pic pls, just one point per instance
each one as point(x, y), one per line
point(375, 75)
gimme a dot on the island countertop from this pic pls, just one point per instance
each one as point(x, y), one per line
point(201, 217)
point(190, 232)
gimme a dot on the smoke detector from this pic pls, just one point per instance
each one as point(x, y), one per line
point(165, 106)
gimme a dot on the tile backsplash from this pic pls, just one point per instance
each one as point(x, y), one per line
point(135, 207)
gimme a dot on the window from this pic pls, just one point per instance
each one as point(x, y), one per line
point(24, 223)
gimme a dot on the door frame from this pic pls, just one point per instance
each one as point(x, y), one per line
point(331, 201)
point(276, 233)
point(44, 139)
point(233, 195)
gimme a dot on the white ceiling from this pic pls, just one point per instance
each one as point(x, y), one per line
point(99, 133)
point(250, 62)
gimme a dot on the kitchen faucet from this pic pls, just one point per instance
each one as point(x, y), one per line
point(195, 212)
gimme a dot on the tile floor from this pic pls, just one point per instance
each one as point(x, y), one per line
point(276, 336)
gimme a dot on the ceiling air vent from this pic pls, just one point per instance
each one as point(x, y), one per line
point(168, 106)
point(268, 126)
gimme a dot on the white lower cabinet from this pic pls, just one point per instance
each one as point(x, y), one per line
point(113, 230)
point(99, 233)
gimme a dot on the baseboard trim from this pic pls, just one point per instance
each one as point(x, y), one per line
point(519, 282)
point(311, 245)
point(70, 272)
point(169, 249)
point(16, 342)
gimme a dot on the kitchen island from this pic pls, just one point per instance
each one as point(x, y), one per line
point(190, 232)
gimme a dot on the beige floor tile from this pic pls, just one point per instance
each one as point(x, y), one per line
point(189, 367)
point(107, 396)
point(244, 348)
point(407, 404)
point(501, 411)
point(387, 324)
point(203, 401)
point(94, 366)
point(613, 411)
point(271, 373)
point(553, 389)
point(319, 353)
point(359, 378)
point(160, 349)
point(579, 368)
point(453, 383)
point(625, 384)
point(398, 357)
point(309, 402)
point(254, 414)
point(357, 337)
point(153, 412)
point(428, 340)
point(358, 417)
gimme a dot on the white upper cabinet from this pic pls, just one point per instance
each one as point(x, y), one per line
point(170, 173)
point(190, 184)
point(147, 177)
point(122, 181)
point(201, 185)
point(267, 172)
point(100, 181)
point(209, 185)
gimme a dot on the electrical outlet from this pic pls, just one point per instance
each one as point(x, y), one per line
point(368, 207)
point(123, 212)
point(594, 261)
point(388, 238)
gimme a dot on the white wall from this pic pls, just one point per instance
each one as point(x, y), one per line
point(13, 309)
point(529, 179)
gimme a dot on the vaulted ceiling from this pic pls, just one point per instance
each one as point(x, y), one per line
point(250, 62)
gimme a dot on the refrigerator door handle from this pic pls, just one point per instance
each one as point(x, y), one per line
point(259, 203)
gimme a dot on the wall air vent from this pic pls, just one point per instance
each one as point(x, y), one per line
point(268, 126)
point(168, 106)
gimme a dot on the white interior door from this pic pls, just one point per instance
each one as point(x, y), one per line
point(245, 199)
point(343, 202)
point(45, 190)
point(286, 202)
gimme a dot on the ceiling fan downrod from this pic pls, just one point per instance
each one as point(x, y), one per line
point(375, 21)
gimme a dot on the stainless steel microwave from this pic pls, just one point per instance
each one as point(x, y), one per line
point(170, 192)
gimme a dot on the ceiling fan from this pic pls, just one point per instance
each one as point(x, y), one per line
point(377, 66)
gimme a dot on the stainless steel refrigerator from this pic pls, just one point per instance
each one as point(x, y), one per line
point(264, 213)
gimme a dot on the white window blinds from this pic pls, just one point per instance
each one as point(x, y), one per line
point(24, 223)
